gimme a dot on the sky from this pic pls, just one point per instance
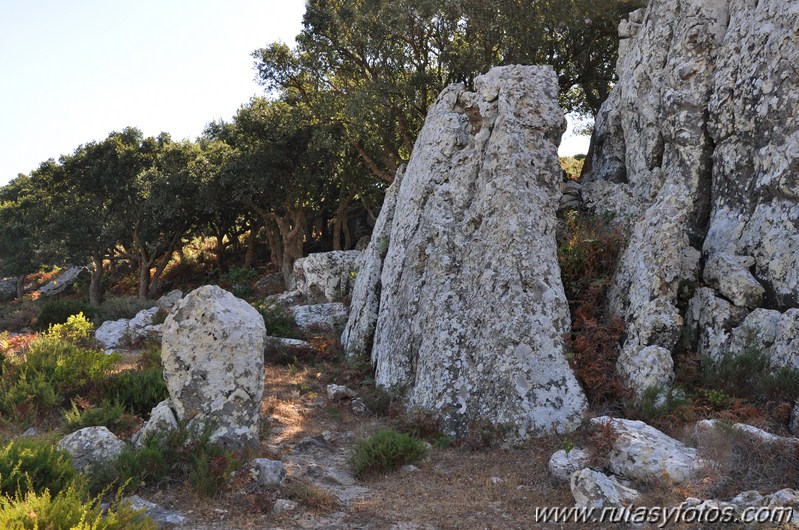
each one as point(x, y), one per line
point(73, 71)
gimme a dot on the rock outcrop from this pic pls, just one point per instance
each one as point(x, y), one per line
point(472, 311)
point(212, 352)
point(695, 146)
point(326, 276)
point(64, 281)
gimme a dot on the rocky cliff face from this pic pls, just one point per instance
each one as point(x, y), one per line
point(697, 147)
point(472, 311)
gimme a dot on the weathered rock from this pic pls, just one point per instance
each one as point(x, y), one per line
point(695, 138)
point(64, 281)
point(709, 320)
point(328, 318)
point(767, 331)
point(643, 452)
point(359, 333)
point(562, 464)
point(592, 489)
point(169, 300)
point(785, 350)
point(90, 446)
point(794, 423)
point(212, 352)
point(339, 392)
point(284, 505)
point(706, 431)
point(472, 311)
point(327, 276)
point(112, 334)
point(267, 473)
point(141, 326)
point(271, 283)
point(162, 420)
point(162, 517)
point(286, 299)
point(650, 367)
point(730, 275)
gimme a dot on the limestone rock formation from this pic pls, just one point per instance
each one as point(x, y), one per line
point(64, 281)
point(592, 489)
point(212, 352)
point(695, 146)
point(472, 311)
point(162, 420)
point(563, 464)
point(359, 332)
point(326, 276)
point(327, 318)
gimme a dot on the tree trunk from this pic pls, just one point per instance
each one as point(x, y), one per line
point(95, 285)
point(220, 253)
point(340, 222)
point(251, 242)
point(144, 276)
point(21, 286)
point(275, 246)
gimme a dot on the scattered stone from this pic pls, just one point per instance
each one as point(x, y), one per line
point(90, 446)
point(339, 477)
point(312, 442)
point(592, 489)
point(409, 468)
point(162, 420)
point(271, 284)
point(359, 407)
point(30, 432)
point(327, 276)
point(267, 473)
point(112, 334)
point(328, 318)
point(287, 299)
point(314, 471)
point(162, 517)
point(213, 359)
point(141, 326)
point(643, 452)
point(339, 392)
point(730, 275)
point(562, 464)
point(284, 505)
point(64, 281)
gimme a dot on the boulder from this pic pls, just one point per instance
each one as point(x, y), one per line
point(706, 430)
point(339, 392)
point(267, 473)
point(141, 326)
point(472, 312)
point(327, 276)
point(168, 301)
point(562, 464)
point(90, 446)
point(592, 489)
point(64, 281)
point(643, 452)
point(162, 420)
point(162, 517)
point(271, 284)
point(324, 318)
point(212, 352)
point(112, 334)
point(360, 329)
point(651, 367)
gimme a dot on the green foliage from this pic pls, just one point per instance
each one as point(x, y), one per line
point(717, 398)
point(58, 312)
point(279, 322)
point(29, 465)
point(573, 166)
point(140, 389)
point(53, 371)
point(660, 401)
point(385, 450)
point(239, 276)
point(70, 509)
point(106, 414)
point(749, 374)
point(76, 330)
point(118, 307)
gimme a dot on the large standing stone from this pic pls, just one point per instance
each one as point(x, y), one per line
point(327, 276)
point(212, 351)
point(472, 310)
point(359, 332)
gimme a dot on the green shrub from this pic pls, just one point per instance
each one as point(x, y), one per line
point(32, 465)
point(53, 371)
point(279, 322)
point(239, 280)
point(107, 414)
point(58, 311)
point(660, 401)
point(138, 390)
point(69, 509)
point(385, 450)
point(77, 329)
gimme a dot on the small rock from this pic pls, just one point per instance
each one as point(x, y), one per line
point(359, 407)
point(161, 516)
point(495, 481)
point(409, 468)
point(90, 446)
point(112, 334)
point(562, 464)
point(267, 473)
point(168, 301)
point(284, 505)
point(289, 298)
point(65, 280)
point(30, 432)
point(312, 442)
point(330, 317)
point(162, 420)
point(327, 276)
point(592, 489)
point(339, 477)
point(339, 392)
point(314, 471)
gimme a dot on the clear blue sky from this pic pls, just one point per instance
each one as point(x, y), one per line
point(74, 70)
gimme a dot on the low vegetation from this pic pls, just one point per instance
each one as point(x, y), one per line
point(385, 450)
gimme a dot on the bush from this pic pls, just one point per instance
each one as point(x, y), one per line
point(77, 329)
point(69, 509)
point(58, 311)
point(140, 389)
point(385, 450)
point(32, 465)
point(309, 496)
point(279, 322)
point(117, 307)
point(107, 414)
point(239, 280)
